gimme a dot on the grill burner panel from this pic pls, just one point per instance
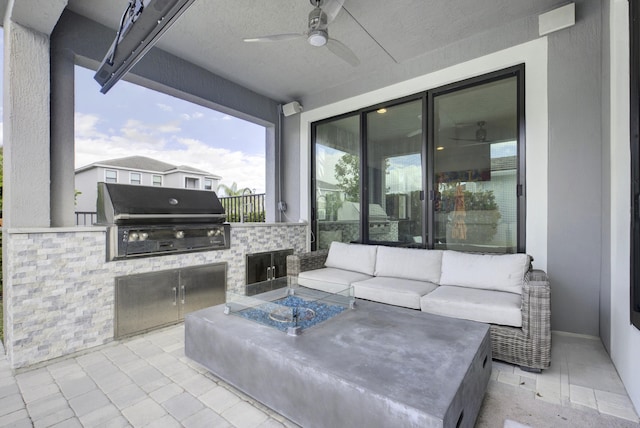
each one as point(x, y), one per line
point(147, 240)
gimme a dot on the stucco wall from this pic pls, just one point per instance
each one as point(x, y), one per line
point(575, 171)
point(624, 337)
point(564, 183)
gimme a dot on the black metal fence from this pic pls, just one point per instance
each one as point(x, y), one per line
point(86, 218)
point(248, 209)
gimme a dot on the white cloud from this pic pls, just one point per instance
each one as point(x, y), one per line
point(139, 139)
point(85, 124)
point(168, 128)
point(195, 115)
point(164, 107)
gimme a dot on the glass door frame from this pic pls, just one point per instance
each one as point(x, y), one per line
point(428, 149)
point(313, 193)
point(634, 139)
point(364, 176)
point(517, 71)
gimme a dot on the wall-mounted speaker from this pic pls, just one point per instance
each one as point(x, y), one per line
point(557, 19)
point(291, 108)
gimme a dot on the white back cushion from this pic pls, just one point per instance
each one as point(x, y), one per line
point(409, 263)
point(353, 257)
point(500, 272)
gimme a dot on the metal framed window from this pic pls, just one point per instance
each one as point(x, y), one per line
point(389, 173)
point(191, 183)
point(157, 180)
point(135, 178)
point(111, 176)
point(634, 57)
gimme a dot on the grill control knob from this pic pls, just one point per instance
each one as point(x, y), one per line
point(133, 236)
point(144, 236)
point(179, 234)
point(211, 232)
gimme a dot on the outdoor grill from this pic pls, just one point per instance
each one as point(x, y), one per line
point(145, 221)
point(378, 219)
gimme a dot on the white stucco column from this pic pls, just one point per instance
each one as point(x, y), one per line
point(26, 115)
point(26, 122)
point(62, 137)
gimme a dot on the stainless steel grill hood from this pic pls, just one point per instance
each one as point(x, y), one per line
point(133, 204)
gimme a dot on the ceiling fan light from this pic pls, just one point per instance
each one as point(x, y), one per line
point(317, 38)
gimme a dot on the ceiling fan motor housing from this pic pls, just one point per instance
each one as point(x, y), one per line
point(318, 37)
point(317, 19)
point(318, 34)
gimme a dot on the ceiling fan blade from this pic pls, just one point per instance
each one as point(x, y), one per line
point(274, 37)
point(332, 8)
point(343, 52)
point(468, 139)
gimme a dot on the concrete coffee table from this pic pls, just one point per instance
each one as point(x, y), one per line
point(376, 366)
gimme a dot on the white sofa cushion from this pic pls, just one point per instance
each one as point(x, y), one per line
point(494, 307)
point(353, 257)
point(409, 263)
point(331, 280)
point(500, 272)
point(393, 291)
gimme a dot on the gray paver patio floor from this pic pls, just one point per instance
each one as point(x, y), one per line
point(147, 381)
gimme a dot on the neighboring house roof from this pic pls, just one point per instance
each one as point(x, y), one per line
point(504, 164)
point(143, 163)
point(188, 168)
point(327, 186)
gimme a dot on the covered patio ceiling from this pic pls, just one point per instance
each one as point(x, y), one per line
point(390, 39)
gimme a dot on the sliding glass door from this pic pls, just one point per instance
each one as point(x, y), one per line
point(475, 137)
point(441, 169)
point(394, 145)
point(336, 190)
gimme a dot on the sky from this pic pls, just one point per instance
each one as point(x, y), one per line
point(134, 121)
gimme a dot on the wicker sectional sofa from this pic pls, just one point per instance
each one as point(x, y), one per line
point(501, 290)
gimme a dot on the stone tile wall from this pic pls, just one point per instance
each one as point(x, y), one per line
point(59, 289)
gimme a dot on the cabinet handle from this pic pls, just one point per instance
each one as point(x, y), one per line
point(184, 294)
point(175, 296)
point(273, 272)
point(268, 273)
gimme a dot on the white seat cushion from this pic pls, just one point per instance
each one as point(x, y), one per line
point(493, 307)
point(409, 263)
point(353, 257)
point(500, 272)
point(330, 280)
point(393, 291)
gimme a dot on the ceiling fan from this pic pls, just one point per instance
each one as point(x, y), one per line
point(317, 34)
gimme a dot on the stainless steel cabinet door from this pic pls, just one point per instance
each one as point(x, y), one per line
point(201, 287)
point(280, 263)
point(258, 267)
point(146, 301)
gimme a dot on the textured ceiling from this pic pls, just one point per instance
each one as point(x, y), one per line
point(383, 34)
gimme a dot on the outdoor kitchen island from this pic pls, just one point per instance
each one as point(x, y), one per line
point(375, 365)
point(63, 274)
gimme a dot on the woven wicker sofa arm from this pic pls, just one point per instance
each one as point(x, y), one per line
point(536, 310)
point(305, 261)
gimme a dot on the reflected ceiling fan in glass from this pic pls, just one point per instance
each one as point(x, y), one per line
point(479, 138)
